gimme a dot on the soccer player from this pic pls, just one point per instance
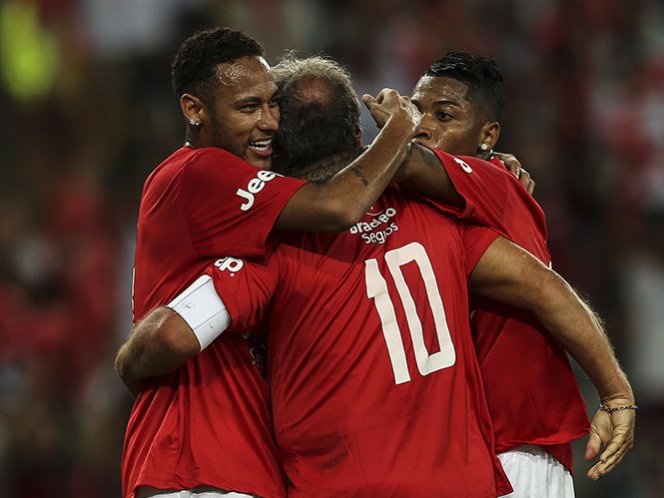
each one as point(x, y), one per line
point(215, 196)
point(374, 384)
point(535, 403)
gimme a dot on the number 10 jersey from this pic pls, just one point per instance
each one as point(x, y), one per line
point(375, 385)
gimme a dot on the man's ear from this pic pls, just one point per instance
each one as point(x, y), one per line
point(193, 109)
point(358, 134)
point(489, 135)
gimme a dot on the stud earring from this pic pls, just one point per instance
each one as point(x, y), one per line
point(195, 122)
point(484, 147)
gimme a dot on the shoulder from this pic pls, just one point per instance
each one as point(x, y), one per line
point(206, 158)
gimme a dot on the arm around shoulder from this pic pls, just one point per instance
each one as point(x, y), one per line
point(159, 344)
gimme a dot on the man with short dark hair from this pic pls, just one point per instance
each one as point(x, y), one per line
point(534, 399)
point(215, 196)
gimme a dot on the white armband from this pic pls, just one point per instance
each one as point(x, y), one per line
point(203, 310)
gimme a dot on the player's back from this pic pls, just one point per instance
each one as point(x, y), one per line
point(375, 386)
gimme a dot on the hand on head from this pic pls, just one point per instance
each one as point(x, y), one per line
point(388, 104)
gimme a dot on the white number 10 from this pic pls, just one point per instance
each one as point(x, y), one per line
point(377, 290)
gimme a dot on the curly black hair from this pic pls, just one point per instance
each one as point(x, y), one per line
point(193, 69)
point(481, 75)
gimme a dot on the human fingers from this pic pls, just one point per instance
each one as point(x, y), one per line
point(616, 432)
point(368, 100)
point(379, 106)
point(610, 458)
point(386, 96)
point(510, 162)
point(411, 108)
point(622, 438)
point(526, 180)
point(599, 433)
point(593, 446)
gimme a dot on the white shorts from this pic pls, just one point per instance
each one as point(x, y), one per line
point(203, 494)
point(533, 472)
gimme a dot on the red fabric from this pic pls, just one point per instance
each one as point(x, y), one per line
point(344, 425)
point(533, 394)
point(208, 422)
point(190, 212)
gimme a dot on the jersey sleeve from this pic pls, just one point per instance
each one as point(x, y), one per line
point(491, 194)
point(230, 206)
point(476, 240)
point(246, 288)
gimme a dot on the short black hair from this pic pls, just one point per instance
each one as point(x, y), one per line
point(193, 69)
point(482, 75)
point(320, 112)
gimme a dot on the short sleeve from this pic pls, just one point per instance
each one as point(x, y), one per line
point(230, 206)
point(476, 240)
point(246, 288)
point(494, 197)
point(483, 186)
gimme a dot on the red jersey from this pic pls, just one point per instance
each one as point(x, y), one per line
point(532, 392)
point(375, 385)
point(208, 422)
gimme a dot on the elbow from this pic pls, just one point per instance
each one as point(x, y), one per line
point(341, 216)
point(550, 296)
point(121, 364)
point(176, 340)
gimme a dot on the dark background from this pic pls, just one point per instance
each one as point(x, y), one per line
point(87, 111)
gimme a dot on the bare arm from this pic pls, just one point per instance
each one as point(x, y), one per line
point(422, 172)
point(159, 344)
point(508, 274)
point(343, 201)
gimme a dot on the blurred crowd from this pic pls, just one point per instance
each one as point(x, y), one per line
point(88, 112)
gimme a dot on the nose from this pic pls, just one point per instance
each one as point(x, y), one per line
point(423, 133)
point(269, 120)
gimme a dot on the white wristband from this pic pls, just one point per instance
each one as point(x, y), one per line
point(203, 310)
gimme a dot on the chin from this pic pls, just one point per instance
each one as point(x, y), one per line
point(261, 163)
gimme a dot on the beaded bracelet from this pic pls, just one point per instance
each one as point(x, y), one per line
point(606, 409)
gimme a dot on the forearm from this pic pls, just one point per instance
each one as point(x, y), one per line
point(570, 320)
point(508, 274)
point(151, 350)
point(423, 172)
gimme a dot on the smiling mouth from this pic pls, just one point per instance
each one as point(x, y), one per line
point(262, 147)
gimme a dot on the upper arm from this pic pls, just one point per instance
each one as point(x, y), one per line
point(202, 310)
point(246, 288)
point(511, 275)
point(229, 206)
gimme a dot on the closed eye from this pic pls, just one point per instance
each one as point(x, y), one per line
point(249, 107)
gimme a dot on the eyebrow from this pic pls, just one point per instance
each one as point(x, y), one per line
point(447, 102)
point(439, 103)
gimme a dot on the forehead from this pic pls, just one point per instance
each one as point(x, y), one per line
point(434, 88)
point(244, 77)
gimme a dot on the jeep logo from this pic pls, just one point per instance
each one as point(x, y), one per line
point(254, 186)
